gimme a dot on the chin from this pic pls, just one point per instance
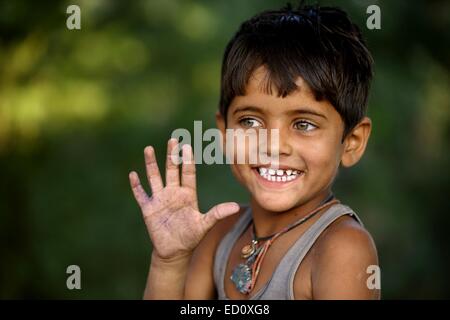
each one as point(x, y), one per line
point(275, 203)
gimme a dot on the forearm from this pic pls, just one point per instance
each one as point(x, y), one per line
point(166, 279)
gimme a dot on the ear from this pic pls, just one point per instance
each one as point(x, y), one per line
point(355, 142)
point(220, 123)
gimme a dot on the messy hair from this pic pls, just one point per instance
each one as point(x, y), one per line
point(320, 44)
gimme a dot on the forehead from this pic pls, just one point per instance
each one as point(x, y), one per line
point(259, 81)
point(258, 93)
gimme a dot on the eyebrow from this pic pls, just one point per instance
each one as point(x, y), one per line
point(303, 110)
point(247, 108)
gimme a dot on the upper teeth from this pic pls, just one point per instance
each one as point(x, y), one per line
point(278, 174)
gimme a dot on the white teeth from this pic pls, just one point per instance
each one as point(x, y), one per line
point(278, 175)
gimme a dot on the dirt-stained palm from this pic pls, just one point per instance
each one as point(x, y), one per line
point(171, 214)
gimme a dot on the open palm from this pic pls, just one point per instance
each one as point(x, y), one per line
point(171, 214)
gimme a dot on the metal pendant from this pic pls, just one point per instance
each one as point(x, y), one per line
point(242, 278)
point(249, 249)
point(242, 275)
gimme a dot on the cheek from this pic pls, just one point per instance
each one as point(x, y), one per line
point(321, 157)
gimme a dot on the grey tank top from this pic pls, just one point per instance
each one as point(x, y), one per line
point(281, 285)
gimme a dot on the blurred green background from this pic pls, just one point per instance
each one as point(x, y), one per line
point(78, 107)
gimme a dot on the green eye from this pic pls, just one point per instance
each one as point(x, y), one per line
point(304, 126)
point(250, 123)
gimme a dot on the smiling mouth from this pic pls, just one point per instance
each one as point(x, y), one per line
point(278, 175)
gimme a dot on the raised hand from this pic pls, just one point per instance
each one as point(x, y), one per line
point(171, 214)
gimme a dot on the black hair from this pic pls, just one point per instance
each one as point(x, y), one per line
point(320, 44)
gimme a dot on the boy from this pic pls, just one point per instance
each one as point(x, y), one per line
point(305, 72)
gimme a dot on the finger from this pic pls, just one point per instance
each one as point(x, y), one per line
point(151, 167)
point(139, 193)
point(172, 171)
point(188, 169)
point(220, 212)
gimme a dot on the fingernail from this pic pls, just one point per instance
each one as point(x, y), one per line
point(187, 153)
point(148, 149)
point(186, 147)
point(234, 206)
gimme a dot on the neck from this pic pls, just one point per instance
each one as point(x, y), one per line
point(269, 222)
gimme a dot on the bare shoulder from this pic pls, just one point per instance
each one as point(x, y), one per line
point(343, 234)
point(200, 279)
point(341, 258)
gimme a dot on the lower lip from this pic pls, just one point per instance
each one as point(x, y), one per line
point(276, 184)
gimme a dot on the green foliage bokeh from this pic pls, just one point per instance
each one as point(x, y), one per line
point(78, 107)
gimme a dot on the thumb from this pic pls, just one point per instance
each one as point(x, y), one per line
point(220, 212)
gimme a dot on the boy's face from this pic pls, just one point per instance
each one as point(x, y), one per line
point(310, 143)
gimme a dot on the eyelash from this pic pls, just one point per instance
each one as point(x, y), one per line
point(295, 124)
point(306, 122)
point(251, 119)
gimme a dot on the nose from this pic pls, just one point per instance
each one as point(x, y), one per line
point(279, 142)
point(285, 146)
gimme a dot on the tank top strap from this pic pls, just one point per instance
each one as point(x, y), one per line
point(281, 284)
point(298, 252)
